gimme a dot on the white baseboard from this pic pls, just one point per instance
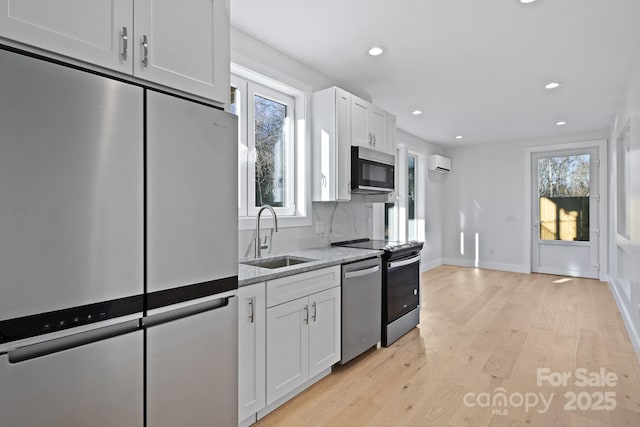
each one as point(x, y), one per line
point(513, 268)
point(426, 266)
point(623, 308)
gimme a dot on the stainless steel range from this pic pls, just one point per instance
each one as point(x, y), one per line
point(400, 284)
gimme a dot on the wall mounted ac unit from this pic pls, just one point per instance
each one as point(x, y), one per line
point(439, 163)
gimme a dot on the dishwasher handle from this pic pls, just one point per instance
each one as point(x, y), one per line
point(402, 263)
point(179, 313)
point(363, 272)
point(56, 345)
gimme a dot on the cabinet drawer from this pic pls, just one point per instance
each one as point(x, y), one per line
point(300, 285)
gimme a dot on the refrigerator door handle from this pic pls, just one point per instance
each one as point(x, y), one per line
point(33, 351)
point(179, 313)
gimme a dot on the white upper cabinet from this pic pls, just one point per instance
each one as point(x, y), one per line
point(378, 128)
point(183, 45)
point(94, 31)
point(332, 145)
point(392, 128)
point(360, 116)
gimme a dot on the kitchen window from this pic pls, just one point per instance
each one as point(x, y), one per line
point(270, 149)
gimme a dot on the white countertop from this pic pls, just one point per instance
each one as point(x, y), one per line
point(324, 257)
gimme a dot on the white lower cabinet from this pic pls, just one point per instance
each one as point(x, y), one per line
point(287, 347)
point(303, 339)
point(289, 334)
point(251, 350)
point(324, 330)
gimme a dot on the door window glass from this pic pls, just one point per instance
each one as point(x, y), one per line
point(563, 191)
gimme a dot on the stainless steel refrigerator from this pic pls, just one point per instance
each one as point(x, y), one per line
point(118, 252)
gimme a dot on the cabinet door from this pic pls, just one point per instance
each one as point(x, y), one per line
point(187, 45)
point(360, 122)
point(287, 347)
point(324, 330)
point(251, 350)
point(88, 30)
point(378, 126)
point(343, 145)
point(391, 134)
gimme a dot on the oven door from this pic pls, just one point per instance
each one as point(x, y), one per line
point(371, 172)
point(402, 286)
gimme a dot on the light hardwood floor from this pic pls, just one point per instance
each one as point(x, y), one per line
point(482, 330)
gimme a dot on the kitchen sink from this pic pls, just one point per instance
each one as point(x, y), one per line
point(277, 262)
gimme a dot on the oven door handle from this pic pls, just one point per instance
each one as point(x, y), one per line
point(363, 272)
point(404, 262)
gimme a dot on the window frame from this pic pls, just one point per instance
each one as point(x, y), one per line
point(249, 82)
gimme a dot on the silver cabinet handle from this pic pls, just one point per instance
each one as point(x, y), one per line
point(125, 43)
point(404, 262)
point(145, 51)
point(374, 139)
point(306, 315)
point(315, 312)
point(251, 311)
point(370, 138)
point(363, 272)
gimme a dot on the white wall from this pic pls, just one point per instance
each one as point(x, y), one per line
point(484, 194)
point(619, 248)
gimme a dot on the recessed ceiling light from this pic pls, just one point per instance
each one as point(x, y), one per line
point(459, 137)
point(527, 1)
point(416, 112)
point(376, 51)
point(561, 123)
point(551, 85)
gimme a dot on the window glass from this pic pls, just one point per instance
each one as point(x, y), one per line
point(412, 227)
point(563, 186)
point(270, 175)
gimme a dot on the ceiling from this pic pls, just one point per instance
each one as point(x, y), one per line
point(476, 68)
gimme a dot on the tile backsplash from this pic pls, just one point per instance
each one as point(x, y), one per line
point(332, 221)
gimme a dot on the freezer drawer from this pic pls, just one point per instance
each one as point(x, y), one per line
point(97, 384)
point(192, 366)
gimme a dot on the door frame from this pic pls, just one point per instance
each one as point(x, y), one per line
point(601, 146)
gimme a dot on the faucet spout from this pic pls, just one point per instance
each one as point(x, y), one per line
point(258, 244)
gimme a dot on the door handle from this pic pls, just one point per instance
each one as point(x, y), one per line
point(314, 316)
point(125, 43)
point(306, 315)
point(145, 51)
point(404, 262)
point(364, 272)
point(251, 311)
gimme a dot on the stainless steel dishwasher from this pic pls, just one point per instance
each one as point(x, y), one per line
point(361, 307)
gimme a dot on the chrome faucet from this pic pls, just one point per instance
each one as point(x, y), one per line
point(258, 244)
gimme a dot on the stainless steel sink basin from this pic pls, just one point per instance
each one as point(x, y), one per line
point(277, 262)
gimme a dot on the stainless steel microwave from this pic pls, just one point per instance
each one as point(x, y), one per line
point(372, 172)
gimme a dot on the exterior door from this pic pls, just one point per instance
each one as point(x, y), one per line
point(565, 213)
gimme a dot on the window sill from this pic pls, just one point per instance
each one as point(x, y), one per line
point(249, 222)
